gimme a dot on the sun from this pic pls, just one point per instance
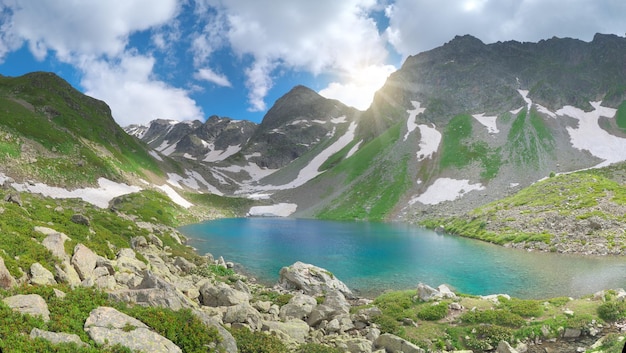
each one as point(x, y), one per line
point(358, 85)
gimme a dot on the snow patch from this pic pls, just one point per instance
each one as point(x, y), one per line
point(516, 111)
point(188, 156)
point(192, 180)
point(99, 197)
point(411, 124)
point(354, 149)
point(445, 189)
point(155, 155)
point(174, 196)
point(431, 139)
point(488, 121)
point(591, 137)
point(219, 155)
point(546, 111)
point(278, 210)
point(339, 120)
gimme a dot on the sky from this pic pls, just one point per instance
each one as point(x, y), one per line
point(191, 59)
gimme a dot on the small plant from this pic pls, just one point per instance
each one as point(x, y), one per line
point(257, 342)
point(433, 312)
point(612, 311)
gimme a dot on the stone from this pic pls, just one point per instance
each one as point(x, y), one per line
point(130, 264)
point(14, 198)
point(184, 265)
point(139, 242)
point(31, 304)
point(84, 261)
point(54, 241)
point(108, 326)
point(359, 345)
point(262, 306)
point(228, 343)
point(505, 347)
point(299, 306)
point(446, 292)
point(57, 337)
point(221, 294)
point(6, 280)
point(107, 264)
point(296, 329)
point(154, 291)
point(572, 333)
point(65, 273)
point(311, 280)
point(393, 343)
point(242, 313)
point(154, 240)
point(80, 219)
point(41, 276)
point(426, 293)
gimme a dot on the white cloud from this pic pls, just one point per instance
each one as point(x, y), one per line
point(209, 75)
point(87, 27)
point(301, 35)
point(135, 97)
point(418, 25)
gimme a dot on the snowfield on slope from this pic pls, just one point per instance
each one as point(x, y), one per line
point(278, 210)
point(431, 138)
point(445, 189)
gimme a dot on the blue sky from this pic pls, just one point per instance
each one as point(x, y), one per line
point(186, 59)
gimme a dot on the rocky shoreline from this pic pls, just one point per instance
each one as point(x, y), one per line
point(321, 309)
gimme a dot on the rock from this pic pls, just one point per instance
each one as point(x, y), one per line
point(14, 198)
point(243, 313)
point(129, 264)
point(59, 293)
point(57, 337)
point(221, 295)
point(505, 347)
point(65, 273)
point(184, 265)
point(393, 343)
point(311, 280)
point(80, 219)
point(446, 292)
point(228, 343)
point(139, 242)
point(41, 276)
point(359, 345)
point(84, 261)
point(154, 291)
point(426, 293)
point(108, 326)
point(572, 333)
point(31, 304)
point(153, 239)
point(54, 241)
point(6, 280)
point(300, 306)
point(126, 252)
point(262, 306)
point(334, 304)
point(296, 329)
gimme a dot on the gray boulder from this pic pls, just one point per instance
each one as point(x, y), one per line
point(311, 280)
point(296, 329)
point(54, 241)
point(31, 304)
point(221, 294)
point(108, 326)
point(300, 306)
point(243, 313)
point(14, 198)
point(505, 347)
point(393, 343)
point(6, 280)
point(84, 261)
point(80, 219)
point(154, 291)
point(57, 337)
point(41, 276)
point(184, 265)
point(65, 273)
point(426, 293)
point(228, 343)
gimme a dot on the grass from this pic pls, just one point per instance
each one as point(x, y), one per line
point(373, 192)
point(528, 139)
point(620, 116)
point(457, 150)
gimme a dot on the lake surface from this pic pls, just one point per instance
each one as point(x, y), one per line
point(373, 257)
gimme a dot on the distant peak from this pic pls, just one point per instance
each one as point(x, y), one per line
point(466, 40)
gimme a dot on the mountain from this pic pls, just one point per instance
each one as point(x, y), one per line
point(454, 128)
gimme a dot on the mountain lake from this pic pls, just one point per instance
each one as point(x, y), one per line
point(374, 257)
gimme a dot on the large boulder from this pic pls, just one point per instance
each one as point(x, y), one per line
point(393, 343)
point(66, 273)
point(426, 293)
point(84, 261)
point(108, 326)
point(300, 306)
point(57, 337)
point(311, 280)
point(54, 241)
point(221, 294)
point(228, 343)
point(41, 276)
point(243, 313)
point(296, 329)
point(6, 280)
point(31, 304)
point(154, 291)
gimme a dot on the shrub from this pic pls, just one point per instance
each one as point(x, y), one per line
point(495, 317)
point(317, 348)
point(257, 342)
point(524, 308)
point(612, 311)
point(433, 312)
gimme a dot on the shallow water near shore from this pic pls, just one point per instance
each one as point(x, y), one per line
point(373, 257)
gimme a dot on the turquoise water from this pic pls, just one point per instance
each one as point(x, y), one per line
point(373, 257)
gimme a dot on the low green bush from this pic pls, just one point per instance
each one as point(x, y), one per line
point(257, 342)
point(612, 311)
point(433, 312)
point(317, 348)
point(494, 317)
